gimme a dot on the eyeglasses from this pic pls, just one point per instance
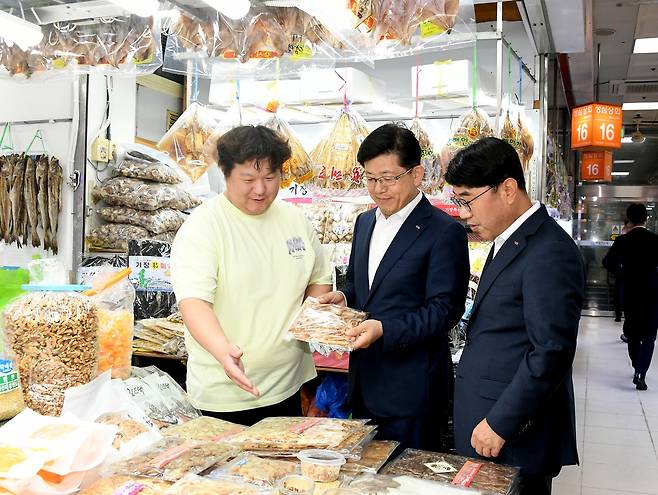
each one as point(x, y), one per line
point(461, 203)
point(385, 180)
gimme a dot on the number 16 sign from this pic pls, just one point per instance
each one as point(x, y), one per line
point(596, 126)
point(596, 166)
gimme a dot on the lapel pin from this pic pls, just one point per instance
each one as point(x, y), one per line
point(418, 227)
point(516, 243)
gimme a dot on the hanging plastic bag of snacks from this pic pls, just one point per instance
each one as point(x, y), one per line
point(429, 159)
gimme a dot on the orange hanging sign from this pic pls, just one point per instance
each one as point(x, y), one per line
point(596, 166)
point(596, 126)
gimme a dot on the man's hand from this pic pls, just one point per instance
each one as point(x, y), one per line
point(335, 297)
point(485, 441)
point(231, 360)
point(366, 333)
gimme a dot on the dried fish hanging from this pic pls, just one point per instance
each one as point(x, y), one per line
point(473, 125)
point(509, 131)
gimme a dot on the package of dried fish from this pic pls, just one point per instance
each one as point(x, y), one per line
point(288, 436)
point(335, 155)
point(204, 428)
point(150, 402)
point(173, 396)
point(154, 171)
point(115, 236)
point(160, 335)
point(340, 221)
point(184, 142)
point(473, 125)
point(374, 456)
point(298, 167)
point(258, 36)
point(489, 478)
point(325, 324)
point(142, 195)
point(197, 485)
point(172, 458)
point(117, 484)
point(317, 214)
point(128, 428)
point(262, 471)
point(527, 143)
point(156, 222)
point(53, 338)
point(429, 159)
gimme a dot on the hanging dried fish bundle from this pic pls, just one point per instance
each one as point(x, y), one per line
point(527, 143)
point(429, 159)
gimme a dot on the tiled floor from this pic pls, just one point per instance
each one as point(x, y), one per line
point(617, 425)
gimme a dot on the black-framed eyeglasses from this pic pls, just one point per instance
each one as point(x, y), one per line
point(462, 203)
point(386, 180)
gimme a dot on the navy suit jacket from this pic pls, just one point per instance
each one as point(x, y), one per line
point(515, 370)
point(418, 294)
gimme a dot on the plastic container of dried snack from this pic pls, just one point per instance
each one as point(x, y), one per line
point(321, 465)
point(295, 485)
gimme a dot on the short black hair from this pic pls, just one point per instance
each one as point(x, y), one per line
point(486, 162)
point(391, 138)
point(637, 214)
point(249, 142)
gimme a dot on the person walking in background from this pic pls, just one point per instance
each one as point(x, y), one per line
point(514, 398)
point(634, 258)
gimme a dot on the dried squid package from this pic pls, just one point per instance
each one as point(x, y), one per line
point(185, 141)
point(335, 155)
point(298, 167)
point(429, 158)
point(472, 126)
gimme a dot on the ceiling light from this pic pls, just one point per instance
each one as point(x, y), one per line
point(25, 34)
point(646, 45)
point(233, 9)
point(620, 174)
point(142, 8)
point(624, 161)
point(644, 105)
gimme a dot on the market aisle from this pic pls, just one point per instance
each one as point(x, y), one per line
point(617, 425)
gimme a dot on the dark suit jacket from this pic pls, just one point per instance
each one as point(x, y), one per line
point(515, 370)
point(634, 258)
point(418, 294)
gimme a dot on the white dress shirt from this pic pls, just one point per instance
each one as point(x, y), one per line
point(384, 232)
point(500, 240)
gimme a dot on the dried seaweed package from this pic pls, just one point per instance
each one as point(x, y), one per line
point(473, 125)
point(298, 167)
point(335, 155)
point(149, 261)
point(429, 159)
point(184, 142)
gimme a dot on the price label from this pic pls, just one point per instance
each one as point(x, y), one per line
point(300, 51)
point(429, 28)
point(596, 126)
point(596, 166)
point(151, 273)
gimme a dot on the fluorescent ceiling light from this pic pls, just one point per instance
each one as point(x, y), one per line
point(624, 161)
point(14, 29)
point(644, 105)
point(646, 45)
point(620, 174)
point(233, 9)
point(142, 8)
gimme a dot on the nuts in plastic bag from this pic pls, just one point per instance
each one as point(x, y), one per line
point(141, 195)
point(116, 236)
point(184, 142)
point(53, 337)
point(156, 222)
point(153, 171)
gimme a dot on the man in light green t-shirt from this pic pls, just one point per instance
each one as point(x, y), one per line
point(241, 266)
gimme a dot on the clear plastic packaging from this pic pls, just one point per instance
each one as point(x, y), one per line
point(429, 159)
point(325, 324)
point(154, 299)
point(156, 222)
point(340, 221)
point(205, 429)
point(256, 470)
point(141, 195)
point(53, 336)
point(196, 485)
point(527, 143)
point(473, 125)
point(173, 396)
point(161, 335)
point(295, 484)
point(184, 141)
point(150, 402)
point(118, 484)
point(321, 465)
point(374, 456)
point(148, 170)
point(115, 236)
point(128, 428)
point(335, 155)
point(173, 458)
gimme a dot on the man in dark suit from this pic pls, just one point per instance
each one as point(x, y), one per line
point(409, 270)
point(634, 259)
point(514, 399)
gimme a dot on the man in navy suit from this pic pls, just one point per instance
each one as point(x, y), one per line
point(409, 270)
point(514, 399)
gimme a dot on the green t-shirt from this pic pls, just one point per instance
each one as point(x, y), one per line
point(254, 269)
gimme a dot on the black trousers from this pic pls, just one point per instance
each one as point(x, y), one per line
point(536, 484)
point(249, 417)
point(641, 332)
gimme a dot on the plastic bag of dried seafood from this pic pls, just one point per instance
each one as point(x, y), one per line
point(298, 167)
point(335, 155)
point(142, 195)
point(429, 158)
point(148, 170)
point(156, 222)
point(184, 142)
point(52, 333)
point(115, 236)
